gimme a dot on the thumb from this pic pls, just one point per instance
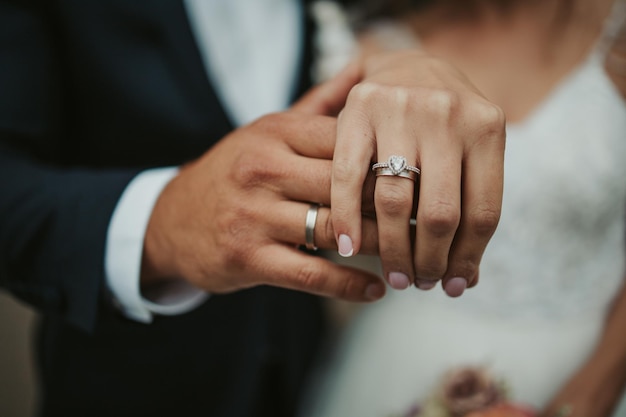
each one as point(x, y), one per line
point(330, 97)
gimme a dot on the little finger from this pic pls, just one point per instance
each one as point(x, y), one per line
point(482, 201)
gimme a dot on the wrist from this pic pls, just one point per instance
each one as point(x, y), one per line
point(390, 61)
point(156, 267)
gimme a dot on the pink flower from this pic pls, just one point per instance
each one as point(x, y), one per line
point(504, 410)
point(469, 392)
point(469, 389)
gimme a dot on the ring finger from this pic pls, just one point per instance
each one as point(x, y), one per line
point(393, 199)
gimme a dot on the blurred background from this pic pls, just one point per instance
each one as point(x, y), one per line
point(17, 380)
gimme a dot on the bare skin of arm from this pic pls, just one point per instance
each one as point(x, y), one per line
point(596, 389)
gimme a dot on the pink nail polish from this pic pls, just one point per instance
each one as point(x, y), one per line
point(399, 281)
point(455, 286)
point(344, 244)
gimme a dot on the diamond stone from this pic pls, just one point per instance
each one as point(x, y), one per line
point(397, 164)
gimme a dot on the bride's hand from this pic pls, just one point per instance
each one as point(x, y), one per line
point(422, 109)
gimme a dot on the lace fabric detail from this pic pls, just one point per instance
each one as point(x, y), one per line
point(334, 41)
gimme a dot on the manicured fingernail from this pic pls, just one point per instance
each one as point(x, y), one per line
point(456, 286)
point(345, 246)
point(425, 285)
point(399, 281)
point(374, 291)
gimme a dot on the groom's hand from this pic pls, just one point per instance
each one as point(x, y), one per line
point(233, 219)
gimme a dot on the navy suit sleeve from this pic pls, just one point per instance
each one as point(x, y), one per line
point(54, 214)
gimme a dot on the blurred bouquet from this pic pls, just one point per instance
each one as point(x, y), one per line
point(469, 392)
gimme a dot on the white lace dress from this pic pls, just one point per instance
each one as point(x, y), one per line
point(546, 280)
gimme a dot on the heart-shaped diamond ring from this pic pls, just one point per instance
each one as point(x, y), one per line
point(396, 166)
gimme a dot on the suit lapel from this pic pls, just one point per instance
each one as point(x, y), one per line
point(184, 54)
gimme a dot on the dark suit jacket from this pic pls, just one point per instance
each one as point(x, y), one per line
point(91, 93)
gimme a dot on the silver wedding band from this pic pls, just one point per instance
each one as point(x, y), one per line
point(309, 227)
point(387, 172)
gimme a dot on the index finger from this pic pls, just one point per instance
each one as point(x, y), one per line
point(308, 135)
point(287, 267)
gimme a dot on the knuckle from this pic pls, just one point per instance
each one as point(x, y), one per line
point(393, 200)
point(310, 278)
point(348, 289)
point(464, 268)
point(440, 218)
point(373, 92)
point(484, 220)
point(344, 170)
point(252, 169)
point(488, 124)
point(233, 236)
point(431, 270)
point(401, 96)
point(271, 122)
point(442, 104)
point(491, 119)
point(363, 92)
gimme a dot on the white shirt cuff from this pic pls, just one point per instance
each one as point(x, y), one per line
point(124, 249)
